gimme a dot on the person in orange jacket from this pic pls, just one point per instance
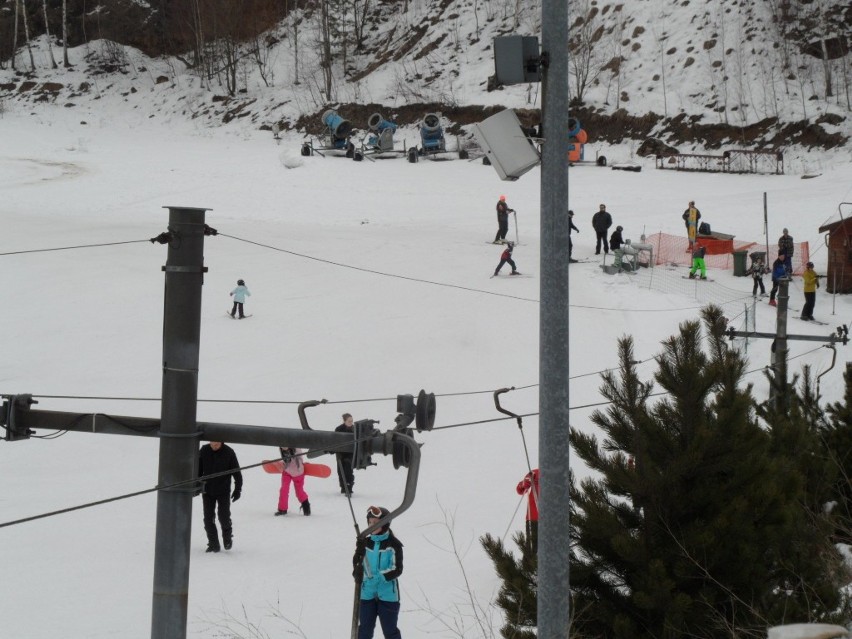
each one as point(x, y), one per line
point(529, 486)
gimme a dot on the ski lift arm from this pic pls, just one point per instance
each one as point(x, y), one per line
point(497, 394)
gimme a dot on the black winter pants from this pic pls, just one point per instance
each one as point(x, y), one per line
point(503, 227)
point(601, 238)
point(758, 282)
point(237, 305)
point(211, 504)
point(808, 308)
point(502, 262)
point(345, 476)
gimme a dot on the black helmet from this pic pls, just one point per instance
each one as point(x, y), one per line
point(379, 512)
point(570, 212)
point(619, 228)
point(241, 283)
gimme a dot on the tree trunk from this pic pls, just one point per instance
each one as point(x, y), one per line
point(47, 35)
point(65, 34)
point(27, 34)
point(15, 36)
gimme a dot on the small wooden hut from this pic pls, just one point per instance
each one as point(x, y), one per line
point(839, 276)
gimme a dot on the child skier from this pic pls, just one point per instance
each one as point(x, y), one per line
point(505, 257)
point(757, 270)
point(294, 472)
point(239, 294)
point(615, 240)
point(698, 263)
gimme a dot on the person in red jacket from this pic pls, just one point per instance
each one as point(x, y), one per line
point(505, 257)
point(529, 486)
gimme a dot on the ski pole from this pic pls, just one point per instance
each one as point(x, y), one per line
point(515, 215)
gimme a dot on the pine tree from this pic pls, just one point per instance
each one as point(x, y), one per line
point(517, 596)
point(694, 522)
point(837, 436)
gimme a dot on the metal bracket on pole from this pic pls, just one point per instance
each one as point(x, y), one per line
point(303, 419)
point(11, 405)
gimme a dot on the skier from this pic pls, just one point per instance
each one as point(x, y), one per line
point(779, 272)
point(377, 564)
point(529, 485)
point(503, 211)
point(698, 263)
point(601, 221)
point(239, 294)
point(690, 217)
point(213, 458)
point(505, 257)
point(294, 472)
point(345, 476)
point(756, 271)
point(810, 284)
point(571, 227)
point(615, 240)
point(785, 246)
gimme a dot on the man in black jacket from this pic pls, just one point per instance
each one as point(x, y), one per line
point(601, 221)
point(571, 227)
point(214, 458)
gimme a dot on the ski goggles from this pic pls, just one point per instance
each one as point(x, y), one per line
point(375, 512)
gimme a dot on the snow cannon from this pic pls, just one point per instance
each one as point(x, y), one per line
point(381, 138)
point(339, 129)
point(432, 134)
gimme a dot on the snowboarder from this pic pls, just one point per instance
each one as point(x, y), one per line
point(377, 564)
point(698, 263)
point(506, 257)
point(601, 221)
point(615, 240)
point(690, 217)
point(213, 458)
point(239, 294)
point(810, 284)
point(503, 211)
point(294, 472)
point(779, 272)
point(756, 271)
point(785, 246)
point(345, 476)
point(529, 486)
point(571, 227)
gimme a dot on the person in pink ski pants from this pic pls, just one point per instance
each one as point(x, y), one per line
point(294, 472)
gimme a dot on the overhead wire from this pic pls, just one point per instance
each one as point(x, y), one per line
point(70, 248)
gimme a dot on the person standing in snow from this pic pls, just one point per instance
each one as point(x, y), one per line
point(377, 565)
point(345, 476)
point(756, 271)
point(239, 294)
point(810, 284)
point(779, 272)
point(601, 221)
point(506, 257)
point(529, 486)
point(698, 263)
point(214, 458)
point(294, 472)
point(785, 246)
point(503, 211)
point(615, 240)
point(690, 217)
point(571, 227)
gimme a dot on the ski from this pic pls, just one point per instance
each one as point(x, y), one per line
point(814, 321)
point(697, 279)
point(276, 466)
point(228, 313)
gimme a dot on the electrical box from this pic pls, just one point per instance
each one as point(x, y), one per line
point(509, 150)
point(516, 59)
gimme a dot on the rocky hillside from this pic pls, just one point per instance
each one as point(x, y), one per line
point(772, 74)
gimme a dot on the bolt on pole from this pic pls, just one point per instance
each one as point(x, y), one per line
point(179, 439)
point(553, 609)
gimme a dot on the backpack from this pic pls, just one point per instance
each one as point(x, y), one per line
point(704, 228)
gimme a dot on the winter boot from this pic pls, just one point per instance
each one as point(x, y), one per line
point(212, 547)
point(692, 276)
point(228, 543)
point(306, 507)
point(772, 303)
point(703, 277)
point(515, 273)
point(280, 512)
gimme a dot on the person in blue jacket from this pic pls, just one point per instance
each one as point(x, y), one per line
point(239, 294)
point(779, 272)
point(377, 564)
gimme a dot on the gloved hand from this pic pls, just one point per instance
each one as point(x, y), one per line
point(236, 495)
point(361, 545)
point(197, 492)
point(358, 574)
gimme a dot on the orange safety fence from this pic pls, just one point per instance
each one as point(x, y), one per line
point(674, 249)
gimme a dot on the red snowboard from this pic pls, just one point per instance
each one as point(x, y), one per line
point(276, 466)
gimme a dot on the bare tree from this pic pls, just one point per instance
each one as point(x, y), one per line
point(587, 55)
point(47, 35)
point(27, 34)
point(65, 34)
point(325, 48)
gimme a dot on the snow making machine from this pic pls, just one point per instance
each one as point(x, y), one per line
point(577, 138)
point(378, 142)
point(336, 139)
point(433, 143)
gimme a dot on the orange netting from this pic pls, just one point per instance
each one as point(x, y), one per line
point(674, 249)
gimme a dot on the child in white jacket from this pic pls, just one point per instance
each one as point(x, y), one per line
point(239, 294)
point(294, 472)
